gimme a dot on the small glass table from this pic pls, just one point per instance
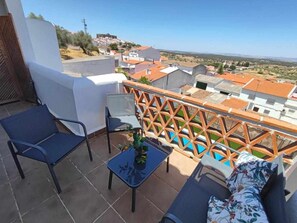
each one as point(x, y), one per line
point(133, 174)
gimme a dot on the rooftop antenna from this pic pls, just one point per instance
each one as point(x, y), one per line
point(85, 25)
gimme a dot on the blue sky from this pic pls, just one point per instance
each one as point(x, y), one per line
point(251, 27)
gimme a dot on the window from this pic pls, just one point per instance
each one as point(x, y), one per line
point(201, 85)
point(266, 112)
point(270, 101)
point(224, 92)
point(251, 97)
point(255, 109)
point(291, 111)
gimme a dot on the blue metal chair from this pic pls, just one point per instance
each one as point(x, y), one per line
point(34, 134)
point(120, 114)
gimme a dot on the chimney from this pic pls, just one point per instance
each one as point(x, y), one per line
point(148, 71)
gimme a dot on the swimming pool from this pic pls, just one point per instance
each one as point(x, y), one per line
point(200, 148)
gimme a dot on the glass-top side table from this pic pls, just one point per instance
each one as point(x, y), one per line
point(133, 174)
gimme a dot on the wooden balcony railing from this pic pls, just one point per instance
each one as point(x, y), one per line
point(192, 125)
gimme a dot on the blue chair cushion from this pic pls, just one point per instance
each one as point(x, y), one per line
point(121, 123)
point(56, 146)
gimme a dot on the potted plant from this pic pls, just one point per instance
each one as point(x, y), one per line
point(136, 143)
point(140, 149)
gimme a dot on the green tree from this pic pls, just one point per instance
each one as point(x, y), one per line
point(232, 67)
point(221, 69)
point(64, 37)
point(145, 80)
point(84, 41)
point(246, 64)
point(33, 16)
point(260, 71)
point(114, 46)
point(226, 66)
point(120, 70)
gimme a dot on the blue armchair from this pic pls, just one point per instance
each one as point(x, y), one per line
point(34, 134)
point(120, 114)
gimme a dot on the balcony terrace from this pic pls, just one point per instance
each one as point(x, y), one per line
point(84, 197)
point(168, 116)
point(189, 125)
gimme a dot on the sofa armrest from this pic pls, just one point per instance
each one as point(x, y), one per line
point(170, 218)
point(209, 161)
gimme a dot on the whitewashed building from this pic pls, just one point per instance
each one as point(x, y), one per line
point(267, 97)
point(144, 53)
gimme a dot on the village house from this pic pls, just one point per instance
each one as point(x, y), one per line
point(143, 53)
point(169, 78)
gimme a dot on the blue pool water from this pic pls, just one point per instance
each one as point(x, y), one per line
point(200, 148)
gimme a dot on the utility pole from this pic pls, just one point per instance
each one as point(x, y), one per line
point(85, 25)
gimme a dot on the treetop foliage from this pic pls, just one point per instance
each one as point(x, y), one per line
point(65, 38)
point(33, 16)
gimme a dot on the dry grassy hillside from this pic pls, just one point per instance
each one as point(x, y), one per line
point(67, 54)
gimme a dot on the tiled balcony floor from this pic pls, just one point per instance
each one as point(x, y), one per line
point(85, 197)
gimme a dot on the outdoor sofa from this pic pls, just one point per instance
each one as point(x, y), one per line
point(208, 178)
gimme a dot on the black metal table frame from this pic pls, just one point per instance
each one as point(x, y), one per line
point(134, 188)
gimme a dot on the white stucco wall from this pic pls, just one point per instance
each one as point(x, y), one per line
point(260, 101)
point(150, 54)
point(81, 99)
point(90, 66)
point(178, 78)
point(160, 83)
point(290, 113)
point(45, 43)
point(211, 88)
point(174, 80)
point(15, 8)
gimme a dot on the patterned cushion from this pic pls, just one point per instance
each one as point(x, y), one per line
point(242, 206)
point(245, 157)
point(255, 173)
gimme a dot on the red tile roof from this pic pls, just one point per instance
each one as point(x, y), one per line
point(132, 61)
point(154, 75)
point(235, 103)
point(237, 78)
point(269, 87)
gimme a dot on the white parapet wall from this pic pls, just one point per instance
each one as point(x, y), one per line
point(45, 43)
point(90, 66)
point(81, 99)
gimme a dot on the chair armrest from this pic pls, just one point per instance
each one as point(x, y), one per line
point(171, 217)
point(31, 146)
point(107, 113)
point(73, 121)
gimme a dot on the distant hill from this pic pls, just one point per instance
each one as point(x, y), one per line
point(238, 57)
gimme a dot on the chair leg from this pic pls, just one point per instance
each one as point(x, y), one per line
point(51, 169)
point(108, 141)
point(15, 158)
point(89, 149)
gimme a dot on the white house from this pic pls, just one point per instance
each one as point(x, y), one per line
point(267, 97)
point(144, 53)
point(206, 82)
point(169, 78)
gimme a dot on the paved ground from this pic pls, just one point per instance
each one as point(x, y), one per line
point(85, 197)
